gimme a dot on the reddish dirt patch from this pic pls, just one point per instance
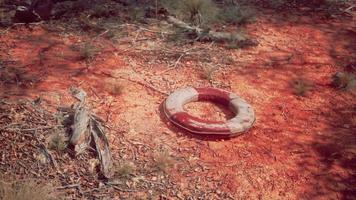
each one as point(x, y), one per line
point(299, 148)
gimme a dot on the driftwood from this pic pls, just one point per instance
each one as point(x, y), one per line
point(203, 34)
point(102, 147)
point(87, 130)
point(80, 138)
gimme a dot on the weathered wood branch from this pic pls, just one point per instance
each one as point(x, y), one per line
point(88, 130)
point(210, 34)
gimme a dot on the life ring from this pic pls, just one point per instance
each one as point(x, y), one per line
point(243, 120)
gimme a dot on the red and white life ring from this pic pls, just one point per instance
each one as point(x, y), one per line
point(243, 120)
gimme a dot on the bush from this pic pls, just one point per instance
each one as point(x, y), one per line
point(237, 15)
point(197, 12)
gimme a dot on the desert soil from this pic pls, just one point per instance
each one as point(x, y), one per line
point(301, 147)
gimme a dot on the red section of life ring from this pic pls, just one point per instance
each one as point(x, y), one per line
point(243, 120)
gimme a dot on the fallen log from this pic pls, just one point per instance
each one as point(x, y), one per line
point(203, 34)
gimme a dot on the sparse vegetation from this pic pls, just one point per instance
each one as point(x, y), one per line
point(197, 12)
point(125, 169)
point(301, 86)
point(208, 71)
point(237, 15)
point(57, 142)
point(86, 50)
point(25, 190)
point(344, 80)
point(163, 162)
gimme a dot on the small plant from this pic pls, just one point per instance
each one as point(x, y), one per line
point(197, 12)
point(344, 80)
point(301, 87)
point(208, 71)
point(124, 170)
point(163, 162)
point(237, 15)
point(57, 142)
point(25, 190)
point(87, 51)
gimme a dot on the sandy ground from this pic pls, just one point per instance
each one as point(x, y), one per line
point(299, 147)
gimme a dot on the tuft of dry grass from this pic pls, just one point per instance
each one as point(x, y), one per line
point(237, 15)
point(163, 162)
point(197, 12)
point(344, 80)
point(125, 169)
point(57, 142)
point(26, 190)
point(301, 86)
point(87, 51)
point(208, 71)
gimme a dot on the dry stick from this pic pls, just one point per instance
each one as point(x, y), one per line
point(201, 33)
point(68, 186)
point(142, 83)
point(145, 84)
point(101, 34)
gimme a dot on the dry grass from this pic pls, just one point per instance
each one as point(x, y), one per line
point(208, 70)
point(125, 169)
point(344, 80)
point(87, 51)
point(197, 12)
point(57, 142)
point(26, 190)
point(301, 86)
point(237, 15)
point(163, 162)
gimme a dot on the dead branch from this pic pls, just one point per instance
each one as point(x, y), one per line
point(102, 147)
point(87, 129)
point(210, 34)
